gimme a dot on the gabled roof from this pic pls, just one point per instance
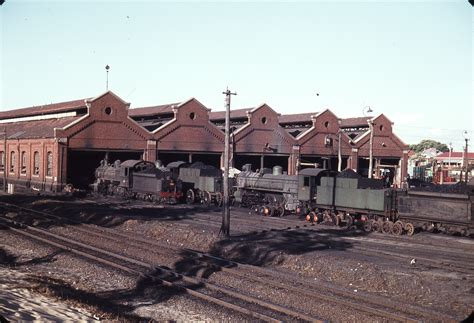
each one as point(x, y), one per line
point(36, 129)
point(355, 122)
point(296, 118)
point(237, 113)
point(152, 110)
point(44, 109)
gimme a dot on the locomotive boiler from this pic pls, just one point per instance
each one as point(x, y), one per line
point(270, 192)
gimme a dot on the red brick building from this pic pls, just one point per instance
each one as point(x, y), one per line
point(52, 145)
point(47, 147)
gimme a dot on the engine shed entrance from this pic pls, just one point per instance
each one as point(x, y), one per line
point(260, 161)
point(81, 164)
point(208, 159)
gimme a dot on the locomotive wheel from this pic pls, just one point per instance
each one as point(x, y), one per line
point(190, 197)
point(410, 228)
point(377, 225)
point(219, 199)
point(311, 217)
point(271, 211)
point(298, 210)
point(387, 227)
point(397, 229)
point(255, 209)
point(327, 219)
point(402, 225)
point(337, 219)
point(207, 198)
point(349, 221)
point(367, 226)
point(280, 211)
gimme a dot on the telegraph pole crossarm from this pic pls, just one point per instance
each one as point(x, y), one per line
point(225, 228)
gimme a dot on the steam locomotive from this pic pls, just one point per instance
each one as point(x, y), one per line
point(346, 198)
point(178, 181)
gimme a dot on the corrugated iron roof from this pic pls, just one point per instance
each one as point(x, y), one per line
point(35, 129)
point(296, 118)
point(355, 122)
point(153, 110)
point(44, 109)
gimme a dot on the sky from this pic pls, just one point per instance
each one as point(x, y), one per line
point(410, 60)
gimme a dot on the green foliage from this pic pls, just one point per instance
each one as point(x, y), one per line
point(428, 143)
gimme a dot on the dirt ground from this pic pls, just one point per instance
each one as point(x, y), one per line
point(39, 283)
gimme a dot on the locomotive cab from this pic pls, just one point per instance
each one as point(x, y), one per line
point(128, 167)
point(308, 181)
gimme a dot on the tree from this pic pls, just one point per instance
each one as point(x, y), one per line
point(428, 143)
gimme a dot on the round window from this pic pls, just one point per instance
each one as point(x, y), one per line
point(264, 120)
point(192, 116)
point(108, 110)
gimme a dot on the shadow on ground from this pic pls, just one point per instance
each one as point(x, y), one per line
point(99, 211)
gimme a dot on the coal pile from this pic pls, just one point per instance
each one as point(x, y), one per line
point(458, 188)
point(348, 173)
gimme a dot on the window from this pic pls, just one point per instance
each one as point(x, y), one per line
point(23, 163)
point(12, 161)
point(36, 161)
point(2, 161)
point(49, 164)
point(306, 181)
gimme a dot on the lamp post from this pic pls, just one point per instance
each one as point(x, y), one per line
point(366, 110)
point(107, 68)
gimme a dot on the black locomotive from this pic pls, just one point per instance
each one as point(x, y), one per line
point(178, 181)
point(138, 179)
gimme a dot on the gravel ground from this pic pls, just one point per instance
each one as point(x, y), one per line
point(319, 256)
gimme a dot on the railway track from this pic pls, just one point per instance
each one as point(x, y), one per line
point(363, 302)
point(437, 255)
point(434, 255)
point(200, 288)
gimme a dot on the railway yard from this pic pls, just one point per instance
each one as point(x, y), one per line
point(134, 260)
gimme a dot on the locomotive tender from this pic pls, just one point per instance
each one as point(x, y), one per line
point(202, 183)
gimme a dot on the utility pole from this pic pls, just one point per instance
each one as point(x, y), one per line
point(339, 156)
point(4, 159)
point(466, 159)
point(449, 159)
point(225, 228)
point(371, 144)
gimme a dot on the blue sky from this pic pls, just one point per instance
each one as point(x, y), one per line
point(411, 60)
